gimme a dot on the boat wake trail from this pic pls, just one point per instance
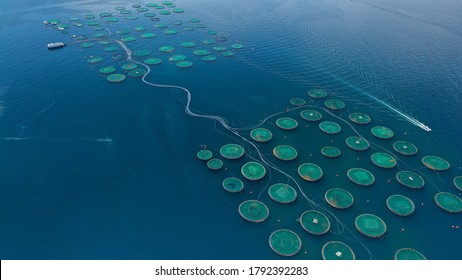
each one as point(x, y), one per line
point(394, 110)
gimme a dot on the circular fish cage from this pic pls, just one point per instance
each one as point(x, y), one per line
point(409, 254)
point(330, 152)
point(253, 211)
point(142, 53)
point(167, 49)
point(410, 179)
point(360, 118)
point(177, 57)
point(382, 132)
point(285, 152)
point(201, 52)
point(215, 164)
point(315, 222)
point(204, 155)
point(317, 93)
point(161, 25)
point(95, 59)
point(148, 35)
point(286, 123)
point(361, 176)
point(400, 205)
point(310, 172)
point(458, 182)
point(170, 31)
point(253, 171)
point(297, 101)
point(357, 143)
point(233, 185)
point(119, 56)
point(208, 42)
point(436, 163)
point(105, 43)
point(227, 53)
point(285, 242)
point(383, 160)
point(339, 198)
point(129, 66)
point(188, 44)
point(184, 64)
point(239, 46)
point(311, 115)
point(232, 151)
point(209, 58)
point(330, 127)
point(336, 250)
point(152, 61)
point(449, 202)
point(405, 148)
point(282, 193)
point(334, 104)
point(261, 135)
point(116, 78)
point(219, 48)
point(140, 28)
point(370, 225)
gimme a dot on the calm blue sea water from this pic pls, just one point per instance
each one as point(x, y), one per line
point(94, 170)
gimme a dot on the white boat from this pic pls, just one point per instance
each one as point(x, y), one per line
point(56, 45)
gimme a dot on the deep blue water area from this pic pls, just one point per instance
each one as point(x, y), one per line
point(96, 170)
